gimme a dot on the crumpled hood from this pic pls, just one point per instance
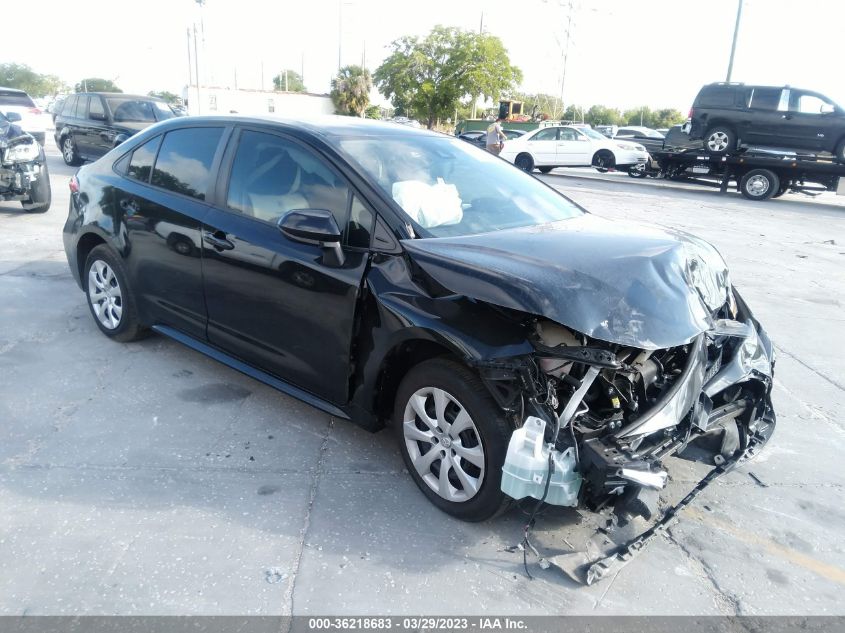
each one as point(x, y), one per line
point(615, 281)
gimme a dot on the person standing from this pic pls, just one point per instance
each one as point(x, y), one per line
point(495, 137)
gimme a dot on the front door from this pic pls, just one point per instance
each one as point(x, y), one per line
point(810, 127)
point(276, 303)
point(573, 147)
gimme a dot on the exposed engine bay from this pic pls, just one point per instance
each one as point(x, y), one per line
point(599, 418)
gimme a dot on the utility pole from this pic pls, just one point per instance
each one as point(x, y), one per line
point(286, 80)
point(733, 44)
point(566, 54)
point(190, 68)
point(197, 71)
point(339, 31)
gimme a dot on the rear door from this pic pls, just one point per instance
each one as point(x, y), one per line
point(274, 302)
point(99, 135)
point(161, 202)
point(543, 146)
point(763, 120)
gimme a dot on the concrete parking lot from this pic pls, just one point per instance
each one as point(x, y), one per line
point(146, 479)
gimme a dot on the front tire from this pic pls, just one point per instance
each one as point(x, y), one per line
point(759, 184)
point(525, 162)
point(839, 154)
point(41, 194)
point(69, 152)
point(453, 438)
point(545, 170)
point(719, 140)
point(110, 297)
point(637, 171)
point(604, 160)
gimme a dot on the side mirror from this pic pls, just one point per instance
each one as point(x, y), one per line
point(13, 117)
point(826, 108)
point(314, 226)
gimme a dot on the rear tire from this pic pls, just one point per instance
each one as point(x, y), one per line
point(70, 153)
point(525, 162)
point(466, 431)
point(719, 140)
point(637, 171)
point(759, 184)
point(41, 194)
point(110, 297)
point(545, 170)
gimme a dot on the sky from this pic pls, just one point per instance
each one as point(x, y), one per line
point(621, 53)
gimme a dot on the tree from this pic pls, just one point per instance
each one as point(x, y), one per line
point(602, 115)
point(35, 84)
point(96, 84)
point(372, 112)
point(431, 76)
point(351, 90)
point(294, 82)
point(165, 96)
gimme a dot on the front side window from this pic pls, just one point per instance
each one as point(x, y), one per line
point(272, 175)
point(447, 187)
point(809, 104)
point(549, 134)
point(184, 160)
point(141, 163)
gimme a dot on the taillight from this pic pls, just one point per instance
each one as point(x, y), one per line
point(691, 113)
point(74, 184)
point(34, 111)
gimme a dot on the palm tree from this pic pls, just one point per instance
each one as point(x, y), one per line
point(351, 90)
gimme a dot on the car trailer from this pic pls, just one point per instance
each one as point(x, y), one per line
point(758, 174)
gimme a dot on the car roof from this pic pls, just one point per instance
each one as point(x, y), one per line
point(329, 127)
point(118, 94)
point(12, 91)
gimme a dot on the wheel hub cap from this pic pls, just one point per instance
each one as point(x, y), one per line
point(718, 141)
point(757, 185)
point(444, 444)
point(105, 295)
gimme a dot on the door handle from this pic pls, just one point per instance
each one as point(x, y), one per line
point(787, 117)
point(218, 241)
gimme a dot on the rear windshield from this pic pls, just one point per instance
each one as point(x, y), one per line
point(15, 99)
point(127, 109)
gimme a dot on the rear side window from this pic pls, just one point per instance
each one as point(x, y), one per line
point(95, 107)
point(15, 99)
point(81, 108)
point(765, 98)
point(141, 163)
point(717, 97)
point(69, 107)
point(184, 160)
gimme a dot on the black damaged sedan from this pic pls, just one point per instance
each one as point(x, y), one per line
point(517, 345)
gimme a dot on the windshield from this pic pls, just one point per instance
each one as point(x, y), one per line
point(592, 134)
point(448, 187)
point(126, 109)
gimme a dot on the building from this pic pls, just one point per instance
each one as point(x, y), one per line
point(216, 100)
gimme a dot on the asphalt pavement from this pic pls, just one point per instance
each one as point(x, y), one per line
point(144, 478)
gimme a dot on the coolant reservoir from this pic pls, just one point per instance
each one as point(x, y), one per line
point(527, 466)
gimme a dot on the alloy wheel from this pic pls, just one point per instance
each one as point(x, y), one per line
point(444, 444)
point(67, 148)
point(718, 142)
point(105, 295)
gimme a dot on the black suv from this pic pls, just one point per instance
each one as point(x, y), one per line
point(726, 115)
point(92, 123)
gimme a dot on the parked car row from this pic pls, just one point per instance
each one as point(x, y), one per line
point(32, 119)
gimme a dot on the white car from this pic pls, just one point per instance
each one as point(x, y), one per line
point(571, 146)
point(33, 119)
